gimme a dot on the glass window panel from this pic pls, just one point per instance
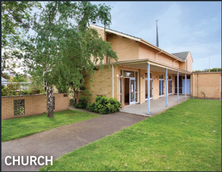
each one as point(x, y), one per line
point(132, 90)
point(128, 73)
point(151, 75)
point(161, 76)
point(170, 86)
point(151, 88)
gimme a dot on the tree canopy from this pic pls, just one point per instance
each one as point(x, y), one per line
point(64, 48)
point(19, 78)
point(15, 19)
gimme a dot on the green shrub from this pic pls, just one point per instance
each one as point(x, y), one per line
point(29, 91)
point(71, 102)
point(82, 103)
point(91, 107)
point(17, 93)
point(5, 91)
point(12, 92)
point(85, 94)
point(11, 86)
point(104, 105)
point(25, 92)
point(84, 99)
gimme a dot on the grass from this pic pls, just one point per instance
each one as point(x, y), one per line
point(24, 126)
point(186, 137)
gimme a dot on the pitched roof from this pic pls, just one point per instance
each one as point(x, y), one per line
point(4, 80)
point(139, 40)
point(182, 55)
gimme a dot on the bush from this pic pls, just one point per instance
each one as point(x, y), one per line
point(5, 91)
point(84, 99)
point(104, 105)
point(11, 86)
point(35, 91)
point(12, 92)
point(91, 107)
point(25, 92)
point(71, 102)
point(85, 94)
point(82, 103)
point(17, 93)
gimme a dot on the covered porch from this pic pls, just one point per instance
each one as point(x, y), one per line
point(158, 87)
point(157, 106)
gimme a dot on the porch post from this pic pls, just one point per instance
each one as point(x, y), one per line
point(112, 81)
point(178, 86)
point(148, 87)
point(166, 86)
point(185, 85)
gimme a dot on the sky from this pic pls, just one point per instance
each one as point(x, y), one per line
point(182, 26)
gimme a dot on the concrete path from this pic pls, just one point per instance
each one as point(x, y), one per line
point(58, 141)
point(156, 106)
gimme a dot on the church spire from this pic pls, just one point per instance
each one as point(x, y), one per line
point(157, 38)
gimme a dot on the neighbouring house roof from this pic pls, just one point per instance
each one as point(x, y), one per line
point(182, 55)
point(139, 40)
point(3, 80)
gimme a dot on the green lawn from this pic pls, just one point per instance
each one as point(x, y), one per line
point(186, 137)
point(24, 126)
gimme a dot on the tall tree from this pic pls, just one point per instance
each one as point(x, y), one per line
point(64, 46)
point(15, 23)
point(15, 18)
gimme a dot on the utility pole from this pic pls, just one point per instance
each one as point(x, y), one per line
point(157, 38)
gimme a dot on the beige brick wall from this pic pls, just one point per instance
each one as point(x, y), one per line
point(102, 83)
point(146, 52)
point(102, 34)
point(152, 54)
point(34, 104)
point(189, 62)
point(207, 83)
point(183, 65)
point(126, 49)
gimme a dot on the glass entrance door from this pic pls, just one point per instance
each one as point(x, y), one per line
point(132, 90)
point(151, 89)
point(161, 87)
point(122, 91)
point(170, 86)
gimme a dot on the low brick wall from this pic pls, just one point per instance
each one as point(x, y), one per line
point(206, 85)
point(34, 104)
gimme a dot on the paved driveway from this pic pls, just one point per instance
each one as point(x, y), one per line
point(58, 141)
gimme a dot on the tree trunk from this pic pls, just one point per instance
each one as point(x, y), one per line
point(49, 95)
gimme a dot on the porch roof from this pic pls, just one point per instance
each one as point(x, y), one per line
point(154, 66)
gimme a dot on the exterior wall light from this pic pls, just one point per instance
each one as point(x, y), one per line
point(142, 76)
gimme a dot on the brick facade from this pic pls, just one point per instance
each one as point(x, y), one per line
point(102, 83)
point(206, 83)
point(34, 104)
point(131, 54)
